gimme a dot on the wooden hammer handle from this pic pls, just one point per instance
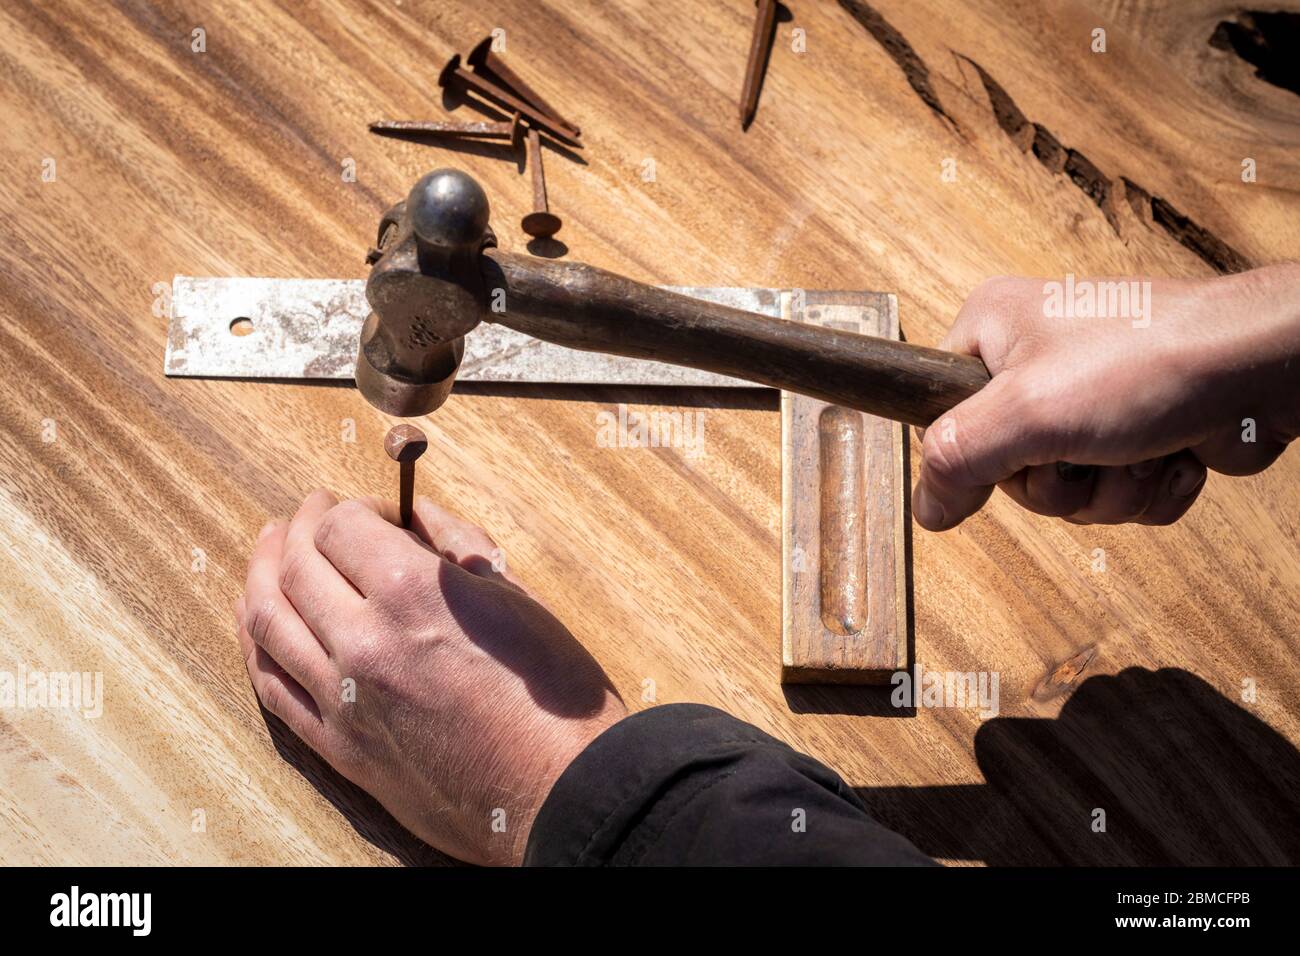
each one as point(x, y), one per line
point(581, 307)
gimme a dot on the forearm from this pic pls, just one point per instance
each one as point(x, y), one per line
point(687, 784)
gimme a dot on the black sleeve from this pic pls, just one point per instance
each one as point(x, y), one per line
point(689, 784)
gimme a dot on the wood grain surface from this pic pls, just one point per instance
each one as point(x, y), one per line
point(129, 502)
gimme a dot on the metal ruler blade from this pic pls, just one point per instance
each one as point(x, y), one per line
point(308, 329)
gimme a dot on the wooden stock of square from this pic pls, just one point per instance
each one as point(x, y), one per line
point(844, 580)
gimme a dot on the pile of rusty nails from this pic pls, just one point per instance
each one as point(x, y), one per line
point(490, 79)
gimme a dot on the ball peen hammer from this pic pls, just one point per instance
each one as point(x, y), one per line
point(439, 274)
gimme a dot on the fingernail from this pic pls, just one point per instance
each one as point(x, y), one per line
point(928, 512)
point(266, 529)
point(1073, 473)
point(1143, 469)
point(1185, 482)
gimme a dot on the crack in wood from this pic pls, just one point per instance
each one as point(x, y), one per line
point(1095, 184)
point(1210, 248)
point(901, 52)
point(1054, 156)
point(1047, 149)
point(1270, 42)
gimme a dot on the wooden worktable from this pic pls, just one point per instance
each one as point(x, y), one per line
point(125, 537)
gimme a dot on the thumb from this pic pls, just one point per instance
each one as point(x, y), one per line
point(967, 451)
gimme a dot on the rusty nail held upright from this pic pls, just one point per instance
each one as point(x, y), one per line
point(404, 444)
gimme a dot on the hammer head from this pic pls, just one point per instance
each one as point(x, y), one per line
point(426, 291)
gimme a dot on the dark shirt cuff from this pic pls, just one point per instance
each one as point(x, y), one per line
point(690, 784)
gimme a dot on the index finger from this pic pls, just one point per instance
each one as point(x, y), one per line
point(363, 541)
point(987, 320)
point(364, 548)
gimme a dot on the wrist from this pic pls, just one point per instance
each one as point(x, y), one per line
point(1246, 350)
point(553, 745)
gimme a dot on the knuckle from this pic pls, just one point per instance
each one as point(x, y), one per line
point(944, 460)
point(1029, 408)
point(991, 288)
point(1000, 295)
point(260, 621)
point(404, 579)
point(273, 694)
point(292, 567)
point(327, 530)
point(365, 659)
point(397, 579)
point(998, 312)
point(468, 543)
point(334, 524)
point(322, 494)
point(1024, 402)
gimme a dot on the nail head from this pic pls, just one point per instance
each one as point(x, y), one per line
point(541, 225)
point(405, 443)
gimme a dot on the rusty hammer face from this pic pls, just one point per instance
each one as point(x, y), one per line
point(425, 291)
